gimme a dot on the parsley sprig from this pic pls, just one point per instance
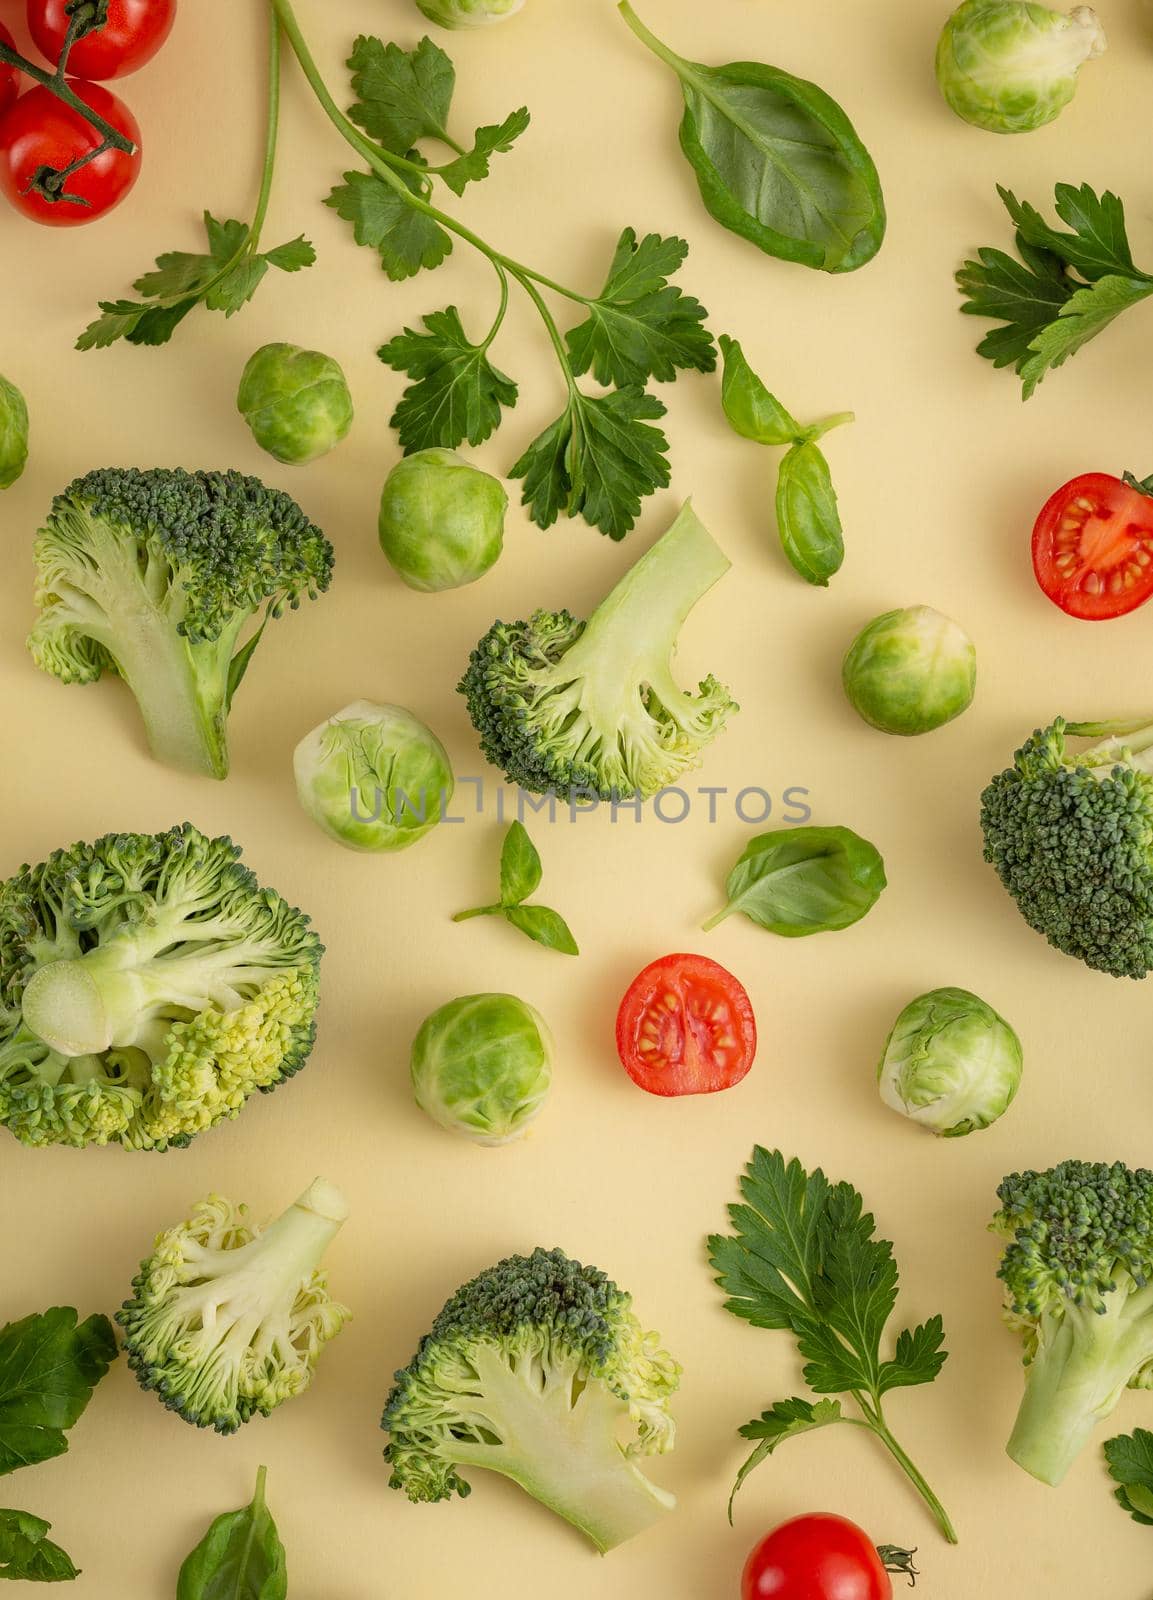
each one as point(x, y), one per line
point(1067, 287)
point(803, 1257)
point(603, 454)
point(225, 278)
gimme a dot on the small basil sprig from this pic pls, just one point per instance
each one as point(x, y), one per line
point(807, 517)
point(239, 1558)
point(520, 875)
point(797, 881)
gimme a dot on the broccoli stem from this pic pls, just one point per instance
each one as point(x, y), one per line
point(182, 687)
point(1083, 1362)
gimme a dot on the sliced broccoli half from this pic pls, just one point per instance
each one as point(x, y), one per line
point(538, 1369)
point(592, 709)
point(1077, 1272)
point(227, 1320)
point(156, 576)
point(148, 986)
point(1071, 837)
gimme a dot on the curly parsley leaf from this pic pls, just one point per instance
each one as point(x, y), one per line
point(224, 279)
point(640, 326)
point(471, 166)
point(458, 393)
point(405, 238)
point(27, 1553)
point(1068, 286)
point(1130, 1461)
point(49, 1366)
point(785, 1420)
point(401, 95)
point(803, 1257)
point(599, 460)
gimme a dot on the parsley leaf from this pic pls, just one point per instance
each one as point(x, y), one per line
point(458, 393)
point(1066, 288)
point(520, 875)
point(224, 279)
point(493, 139)
point(640, 326)
point(803, 1257)
point(1130, 1461)
point(599, 460)
point(49, 1366)
point(405, 239)
point(401, 95)
point(26, 1552)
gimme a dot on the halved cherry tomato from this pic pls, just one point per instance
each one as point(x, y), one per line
point(133, 34)
point(41, 131)
point(820, 1557)
point(10, 78)
point(686, 1026)
point(1093, 547)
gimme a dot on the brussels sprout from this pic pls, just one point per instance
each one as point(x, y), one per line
point(441, 520)
point(950, 1063)
point(373, 777)
point(295, 401)
point(1011, 66)
point(482, 1065)
point(910, 671)
point(468, 13)
point(13, 433)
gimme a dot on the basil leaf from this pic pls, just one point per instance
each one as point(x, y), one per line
point(797, 881)
point(547, 927)
point(807, 517)
point(239, 1558)
point(26, 1552)
point(520, 868)
point(49, 1366)
point(777, 160)
point(752, 411)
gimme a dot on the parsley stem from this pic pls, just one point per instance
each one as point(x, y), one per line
point(876, 1421)
point(272, 127)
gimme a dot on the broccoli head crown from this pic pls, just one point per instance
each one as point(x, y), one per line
point(148, 986)
point(544, 1314)
point(227, 1320)
point(1072, 841)
point(1076, 1234)
point(229, 542)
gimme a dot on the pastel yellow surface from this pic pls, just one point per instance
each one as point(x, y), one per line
point(940, 479)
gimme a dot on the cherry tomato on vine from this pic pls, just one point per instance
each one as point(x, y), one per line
point(10, 77)
point(1093, 547)
point(686, 1026)
point(133, 34)
point(821, 1557)
point(41, 131)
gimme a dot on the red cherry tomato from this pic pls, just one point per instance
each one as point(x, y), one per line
point(133, 34)
point(686, 1026)
point(41, 131)
point(818, 1557)
point(10, 78)
point(1093, 547)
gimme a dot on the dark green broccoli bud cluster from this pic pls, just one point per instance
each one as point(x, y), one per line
point(1072, 841)
point(531, 1370)
point(154, 575)
point(592, 709)
point(1078, 1277)
point(148, 986)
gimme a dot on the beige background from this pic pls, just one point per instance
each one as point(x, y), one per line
point(939, 479)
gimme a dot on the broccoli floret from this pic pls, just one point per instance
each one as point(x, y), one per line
point(155, 576)
point(592, 709)
point(1071, 837)
point(535, 1369)
point(227, 1320)
point(1077, 1273)
point(148, 986)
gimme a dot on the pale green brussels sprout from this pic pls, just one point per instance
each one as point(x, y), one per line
point(468, 13)
point(1010, 65)
point(482, 1066)
point(295, 401)
point(373, 777)
point(441, 520)
point(13, 433)
point(950, 1063)
point(910, 671)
